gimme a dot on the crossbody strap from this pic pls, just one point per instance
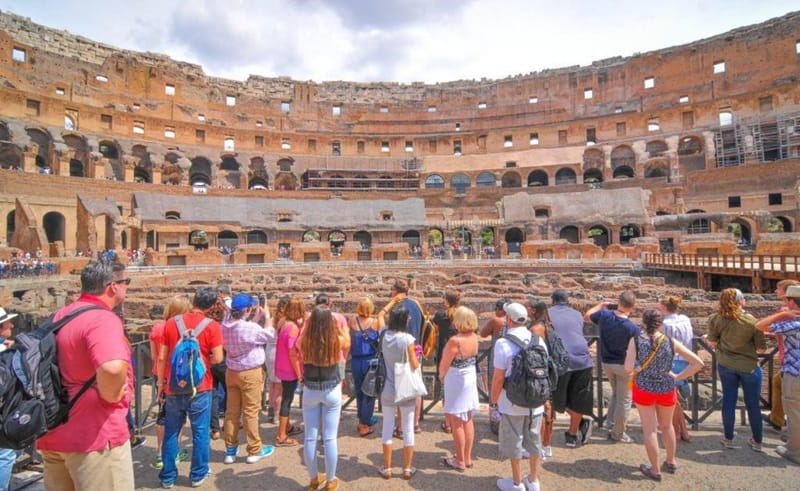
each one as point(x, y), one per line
point(652, 354)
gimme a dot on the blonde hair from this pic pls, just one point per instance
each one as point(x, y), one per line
point(179, 304)
point(465, 320)
point(671, 303)
point(365, 307)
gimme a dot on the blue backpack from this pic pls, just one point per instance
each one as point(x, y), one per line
point(187, 368)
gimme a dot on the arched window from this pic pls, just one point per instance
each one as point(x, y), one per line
point(628, 232)
point(623, 172)
point(435, 237)
point(411, 237)
point(623, 156)
point(537, 178)
point(656, 148)
point(228, 239)
point(229, 163)
point(511, 180)
point(53, 223)
point(256, 237)
point(594, 158)
point(514, 239)
point(460, 182)
point(311, 236)
point(434, 181)
point(599, 235)
point(570, 234)
point(565, 176)
point(364, 238)
point(592, 176)
point(779, 225)
point(485, 180)
point(198, 239)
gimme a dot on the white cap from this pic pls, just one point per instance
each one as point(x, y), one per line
point(5, 316)
point(516, 312)
point(793, 291)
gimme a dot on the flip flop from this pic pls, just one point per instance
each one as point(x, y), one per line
point(397, 433)
point(417, 429)
point(648, 471)
point(294, 430)
point(368, 432)
point(409, 472)
point(451, 463)
point(286, 442)
point(446, 428)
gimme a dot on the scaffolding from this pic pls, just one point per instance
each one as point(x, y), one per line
point(758, 139)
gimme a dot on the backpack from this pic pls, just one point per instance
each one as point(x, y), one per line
point(428, 332)
point(533, 376)
point(556, 351)
point(187, 368)
point(33, 400)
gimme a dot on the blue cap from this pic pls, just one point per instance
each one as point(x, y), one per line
point(242, 301)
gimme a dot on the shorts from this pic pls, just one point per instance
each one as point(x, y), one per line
point(520, 432)
point(574, 392)
point(645, 398)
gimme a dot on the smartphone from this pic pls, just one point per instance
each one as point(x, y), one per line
point(612, 306)
point(262, 299)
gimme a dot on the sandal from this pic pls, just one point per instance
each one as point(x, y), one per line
point(648, 471)
point(216, 435)
point(451, 463)
point(294, 430)
point(671, 468)
point(364, 430)
point(417, 429)
point(446, 428)
point(386, 472)
point(409, 472)
point(686, 437)
point(286, 442)
point(397, 433)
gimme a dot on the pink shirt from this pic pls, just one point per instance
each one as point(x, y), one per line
point(85, 343)
point(286, 342)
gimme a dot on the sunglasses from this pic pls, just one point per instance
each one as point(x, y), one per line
point(126, 281)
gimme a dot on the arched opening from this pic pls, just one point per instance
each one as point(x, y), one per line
point(656, 168)
point(385, 182)
point(200, 171)
point(485, 180)
point(364, 238)
point(227, 239)
point(10, 156)
point(488, 242)
point(514, 239)
point(599, 235)
point(171, 172)
point(140, 151)
point(435, 237)
point(336, 238)
point(511, 180)
point(537, 178)
point(258, 167)
point(79, 157)
point(53, 223)
point(10, 225)
point(623, 172)
point(594, 158)
point(699, 226)
point(741, 231)
point(257, 183)
point(623, 156)
point(229, 163)
point(570, 234)
point(285, 181)
point(460, 182)
point(124, 239)
point(76, 168)
point(434, 181)
point(257, 237)
point(565, 176)
point(311, 236)
point(462, 238)
point(141, 174)
point(43, 142)
point(777, 225)
point(691, 153)
point(592, 176)
point(198, 239)
point(628, 232)
point(110, 150)
point(656, 148)
point(411, 237)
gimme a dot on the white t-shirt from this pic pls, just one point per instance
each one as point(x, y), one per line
point(504, 353)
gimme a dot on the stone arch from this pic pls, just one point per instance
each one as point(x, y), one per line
point(10, 154)
point(11, 225)
point(487, 236)
point(145, 162)
point(198, 239)
point(285, 164)
point(229, 163)
point(656, 148)
point(622, 156)
point(624, 172)
point(227, 238)
point(599, 234)
point(200, 171)
point(594, 158)
point(411, 237)
point(742, 229)
point(257, 237)
point(565, 175)
point(171, 171)
point(285, 181)
point(460, 182)
point(514, 238)
point(111, 151)
point(364, 238)
point(44, 143)
point(463, 235)
point(5, 133)
point(54, 223)
point(592, 176)
point(141, 174)
point(79, 157)
point(311, 236)
point(258, 183)
point(485, 180)
point(434, 181)
point(570, 233)
point(337, 238)
point(628, 232)
point(435, 237)
point(656, 168)
point(511, 179)
point(779, 224)
point(537, 178)
point(691, 153)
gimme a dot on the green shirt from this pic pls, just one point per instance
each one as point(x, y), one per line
point(737, 341)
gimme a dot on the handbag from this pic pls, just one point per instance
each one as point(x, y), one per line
point(375, 378)
point(647, 361)
point(408, 383)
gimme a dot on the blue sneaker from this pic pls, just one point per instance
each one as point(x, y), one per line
point(373, 421)
point(266, 451)
point(230, 454)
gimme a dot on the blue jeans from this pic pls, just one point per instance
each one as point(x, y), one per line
point(683, 386)
point(7, 459)
point(322, 407)
point(751, 386)
point(364, 403)
point(198, 409)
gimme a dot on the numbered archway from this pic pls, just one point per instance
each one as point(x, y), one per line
point(364, 238)
point(228, 239)
point(514, 239)
point(411, 237)
point(628, 232)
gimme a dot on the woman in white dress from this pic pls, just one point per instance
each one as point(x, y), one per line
point(457, 371)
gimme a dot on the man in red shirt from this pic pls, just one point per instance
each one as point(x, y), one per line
point(92, 451)
point(198, 407)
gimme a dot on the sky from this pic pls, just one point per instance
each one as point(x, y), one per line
point(395, 40)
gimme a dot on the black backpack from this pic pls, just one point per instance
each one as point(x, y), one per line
point(557, 351)
point(32, 398)
point(533, 375)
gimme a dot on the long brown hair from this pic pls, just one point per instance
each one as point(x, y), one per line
point(320, 344)
point(451, 299)
point(729, 308)
point(295, 310)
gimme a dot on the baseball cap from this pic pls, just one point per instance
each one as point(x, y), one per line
point(516, 312)
point(793, 291)
point(5, 316)
point(242, 301)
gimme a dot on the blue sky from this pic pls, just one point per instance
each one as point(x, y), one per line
point(394, 40)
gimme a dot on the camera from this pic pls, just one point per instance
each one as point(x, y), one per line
point(612, 306)
point(262, 299)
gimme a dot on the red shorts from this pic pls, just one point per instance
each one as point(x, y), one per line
point(645, 398)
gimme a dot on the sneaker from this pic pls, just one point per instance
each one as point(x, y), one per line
point(183, 454)
point(230, 454)
point(547, 452)
point(571, 441)
point(625, 438)
point(167, 485)
point(137, 442)
point(585, 429)
point(530, 486)
point(197, 484)
point(266, 451)
point(770, 423)
point(727, 444)
point(784, 452)
point(158, 463)
point(507, 484)
point(755, 446)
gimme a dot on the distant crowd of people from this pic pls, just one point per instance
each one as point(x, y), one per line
point(26, 264)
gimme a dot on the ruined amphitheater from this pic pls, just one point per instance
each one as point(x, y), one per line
point(566, 177)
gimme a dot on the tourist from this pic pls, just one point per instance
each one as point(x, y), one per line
point(520, 427)
point(494, 327)
point(324, 300)
point(399, 293)
point(678, 327)
point(364, 349)
point(787, 323)
point(91, 451)
point(539, 320)
point(573, 393)
point(737, 341)
point(443, 320)
point(244, 340)
point(397, 346)
point(7, 455)
point(776, 417)
point(219, 312)
point(616, 330)
point(288, 369)
point(196, 407)
point(178, 304)
point(649, 357)
point(273, 383)
point(457, 372)
point(321, 345)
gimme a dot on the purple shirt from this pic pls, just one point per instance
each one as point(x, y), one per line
point(244, 343)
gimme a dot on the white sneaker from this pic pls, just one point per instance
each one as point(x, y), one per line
point(547, 452)
point(507, 484)
point(530, 486)
point(230, 454)
point(525, 454)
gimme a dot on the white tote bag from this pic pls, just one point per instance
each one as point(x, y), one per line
point(407, 382)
